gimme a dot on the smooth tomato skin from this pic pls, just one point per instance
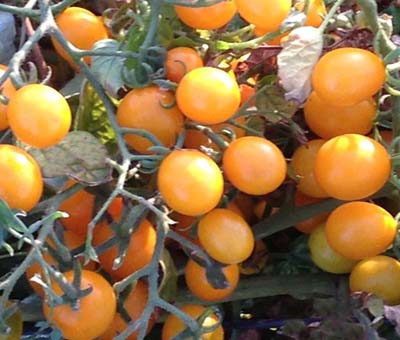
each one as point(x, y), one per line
point(266, 14)
point(328, 121)
point(379, 275)
point(21, 182)
point(303, 161)
point(225, 236)
point(181, 60)
point(15, 323)
point(150, 109)
point(7, 90)
point(352, 167)
point(139, 254)
point(196, 280)
point(324, 256)
point(190, 182)
point(207, 18)
point(208, 95)
point(134, 303)
point(81, 28)
point(39, 115)
point(357, 230)
point(254, 165)
point(338, 77)
point(173, 325)
point(96, 310)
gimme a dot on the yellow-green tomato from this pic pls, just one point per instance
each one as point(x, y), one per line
point(15, 324)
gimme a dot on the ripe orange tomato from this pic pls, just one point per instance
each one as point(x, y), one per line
point(225, 236)
point(352, 167)
point(95, 311)
point(81, 28)
point(254, 165)
point(208, 95)
point(358, 230)
point(315, 14)
point(173, 325)
point(190, 182)
point(196, 280)
point(266, 14)
point(134, 303)
point(303, 160)
point(310, 224)
point(151, 109)
point(15, 323)
point(21, 182)
point(209, 17)
point(181, 60)
point(379, 275)
point(339, 76)
point(46, 122)
point(7, 90)
point(324, 256)
point(328, 121)
point(139, 253)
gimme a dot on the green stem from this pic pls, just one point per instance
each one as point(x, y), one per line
point(330, 15)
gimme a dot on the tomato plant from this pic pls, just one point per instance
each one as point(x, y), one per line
point(15, 323)
point(7, 89)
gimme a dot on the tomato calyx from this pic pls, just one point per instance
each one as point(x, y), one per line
point(214, 272)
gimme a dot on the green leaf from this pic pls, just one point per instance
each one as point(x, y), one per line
point(8, 220)
point(169, 283)
point(79, 155)
point(92, 117)
point(108, 69)
point(273, 105)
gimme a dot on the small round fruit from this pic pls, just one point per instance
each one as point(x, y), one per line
point(352, 167)
point(21, 182)
point(208, 95)
point(95, 311)
point(151, 109)
point(379, 275)
point(190, 182)
point(81, 28)
point(303, 160)
point(266, 14)
point(357, 230)
point(39, 115)
point(7, 90)
point(315, 14)
point(328, 121)
point(173, 325)
point(208, 17)
point(339, 77)
point(254, 165)
point(198, 284)
point(225, 236)
point(324, 256)
point(181, 60)
point(15, 323)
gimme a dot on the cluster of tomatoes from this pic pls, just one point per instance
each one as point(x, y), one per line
point(216, 157)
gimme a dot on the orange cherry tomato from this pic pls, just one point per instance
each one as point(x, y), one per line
point(151, 109)
point(379, 275)
point(225, 236)
point(266, 14)
point(21, 182)
point(303, 160)
point(209, 17)
point(7, 90)
point(190, 182)
point(328, 121)
point(173, 325)
point(92, 316)
point(339, 76)
point(139, 253)
point(181, 60)
point(357, 230)
point(315, 14)
point(208, 95)
point(196, 280)
point(46, 122)
point(257, 261)
point(254, 165)
point(81, 28)
point(352, 167)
